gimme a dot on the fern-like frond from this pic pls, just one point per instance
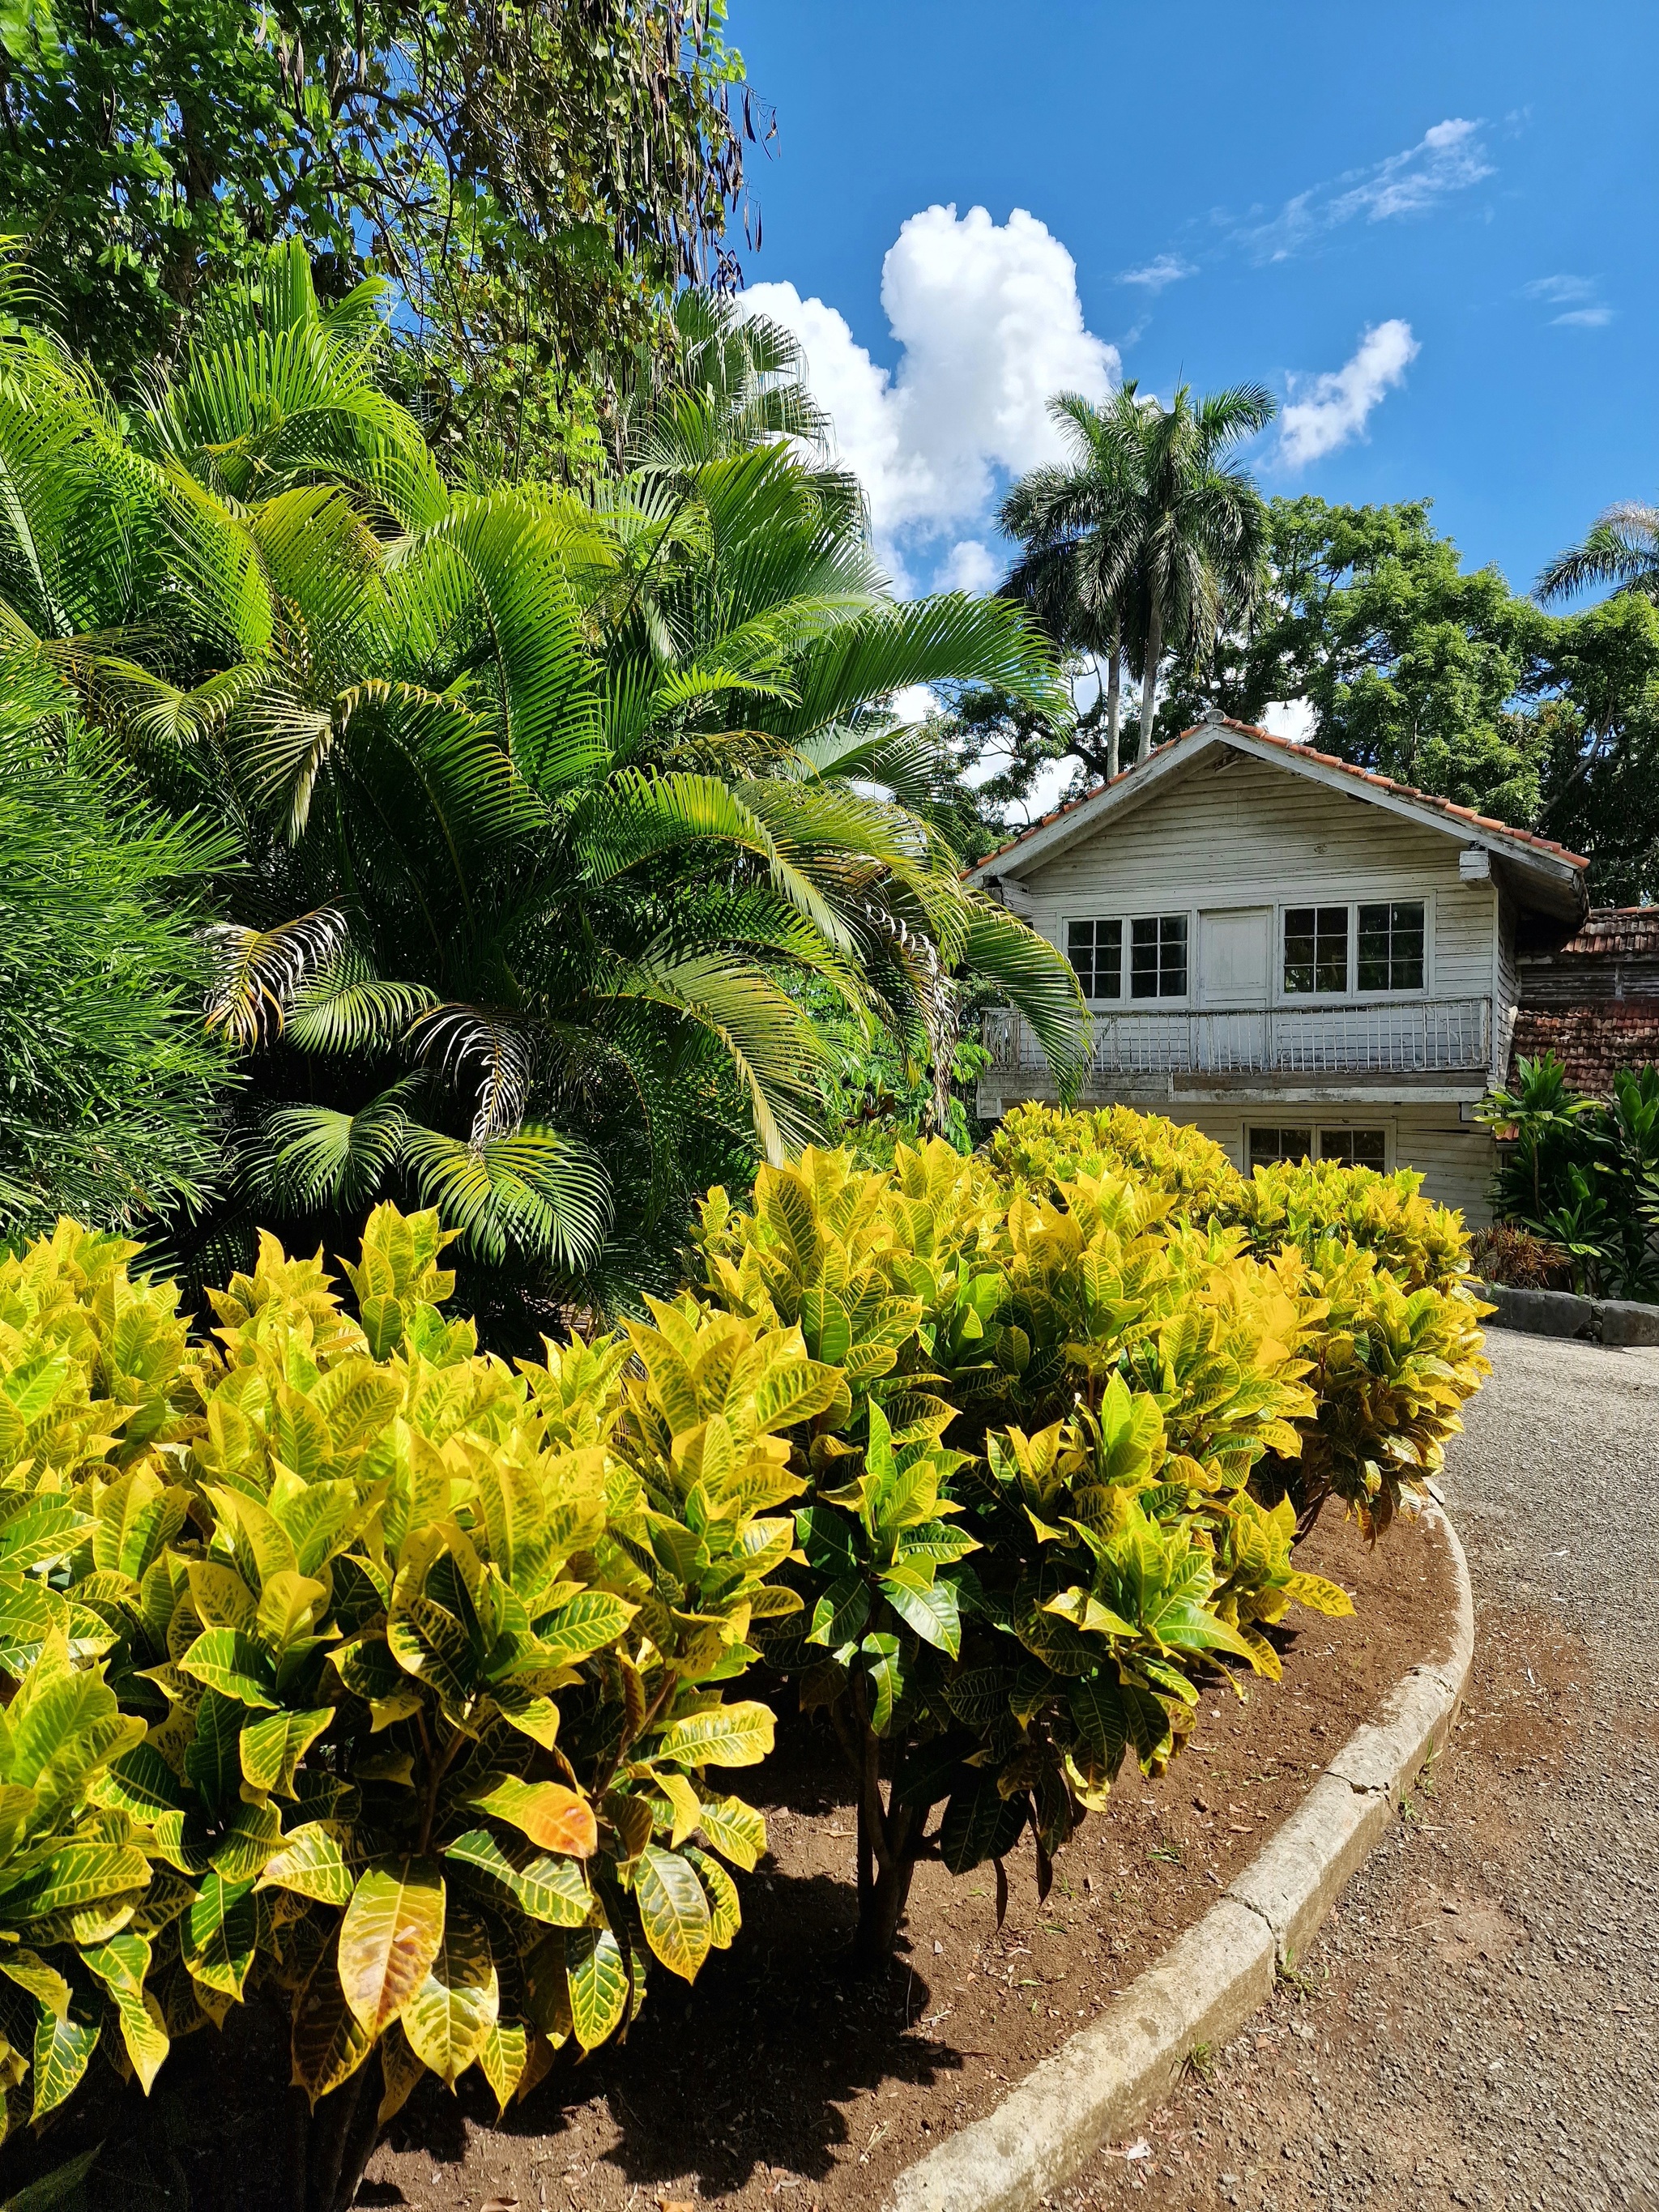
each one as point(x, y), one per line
point(346, 1007)
point(536, 1189)
point(315, 1157)
point(480, 1047)
point(261, 969)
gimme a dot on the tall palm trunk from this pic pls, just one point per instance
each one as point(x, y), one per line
point(1113, 704)
point(1149, 678)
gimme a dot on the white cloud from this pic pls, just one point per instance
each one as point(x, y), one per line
point(971, 566)
point(1560, 291)
point(1294, 718)
point(915, 704)
point(1449, 158)
point(1575, 295)
point(988, 323)
point(1326, 411)
point(1166, 269)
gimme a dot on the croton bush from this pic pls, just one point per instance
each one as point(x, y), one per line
point(345, 1664)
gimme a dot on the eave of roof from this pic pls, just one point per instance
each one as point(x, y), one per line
point(1485, 824)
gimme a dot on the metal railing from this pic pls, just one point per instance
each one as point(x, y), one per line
point(1384, 1037)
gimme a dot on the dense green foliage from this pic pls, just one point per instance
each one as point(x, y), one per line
point(350, 1665)
point(536, 179)
point(113, 1099)
point(1583, 1175)
point(1084, 1421)
point(543, 806)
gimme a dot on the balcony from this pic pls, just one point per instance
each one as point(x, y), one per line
point(1387, 1037)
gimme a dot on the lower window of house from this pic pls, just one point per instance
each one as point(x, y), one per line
point(1354, 1148)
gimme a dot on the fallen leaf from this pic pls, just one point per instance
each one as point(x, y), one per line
point(500, 2204)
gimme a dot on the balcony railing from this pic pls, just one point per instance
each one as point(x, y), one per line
point(1384, 1037)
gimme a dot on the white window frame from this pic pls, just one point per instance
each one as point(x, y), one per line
point(1353, 996)
point(1129, 915)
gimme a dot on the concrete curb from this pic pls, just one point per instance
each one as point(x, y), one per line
point(1210, 1980)
point(1617, 1322)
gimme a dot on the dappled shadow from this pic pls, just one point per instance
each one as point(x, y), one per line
point(748, 2067)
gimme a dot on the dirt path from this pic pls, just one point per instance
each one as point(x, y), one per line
point(1478, 2023)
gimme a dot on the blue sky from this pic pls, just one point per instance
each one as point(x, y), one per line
point(1430, 230)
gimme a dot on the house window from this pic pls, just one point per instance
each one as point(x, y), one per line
point(1316, 949)
point(1158, 957)
point(1391, 946)
point(1354, 1148)
point(1269, 1146)
point(1096, 951)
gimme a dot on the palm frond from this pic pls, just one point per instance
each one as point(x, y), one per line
point(481, 1046)
point(1034, 978)
point(344, 1007)
point(537, 1188)
point(259, 970)
point(316, 1157)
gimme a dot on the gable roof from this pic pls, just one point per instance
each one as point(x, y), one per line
point(1541, 858)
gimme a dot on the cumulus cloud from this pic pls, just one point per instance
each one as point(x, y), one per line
point(1326, 411)
point(971, 566)
point(1576, 296)
point(1449, 158)
point(1166, 269)
point(988, 323)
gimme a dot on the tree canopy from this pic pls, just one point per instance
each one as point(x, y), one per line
point(535, 178)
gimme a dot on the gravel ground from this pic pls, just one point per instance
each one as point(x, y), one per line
point(1478, 2022)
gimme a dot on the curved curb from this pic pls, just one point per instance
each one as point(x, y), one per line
point(1210, 1979)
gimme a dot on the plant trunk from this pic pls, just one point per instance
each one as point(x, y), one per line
point(1149, 679)
point(338, 2143)
point(888, 1845)
point(1114, 706)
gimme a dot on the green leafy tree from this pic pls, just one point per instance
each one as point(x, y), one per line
point(535, 178)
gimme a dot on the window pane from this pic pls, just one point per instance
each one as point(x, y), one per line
point(1172, 956)
point(1268, 1146)
point(1317, 948)
point(1391, 946)
point(1354, 1148)
point(1096, 951)
point(1158, 957)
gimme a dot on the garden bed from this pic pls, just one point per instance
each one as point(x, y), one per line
point(777, 2080)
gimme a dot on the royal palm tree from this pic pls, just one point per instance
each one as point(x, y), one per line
point(540, 801)
point(1621, 548)
point(1202, 540)
point(1081, 522)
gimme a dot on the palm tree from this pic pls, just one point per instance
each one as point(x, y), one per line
point(1202, 538)
point(540, 802)
point(1621, 548)
point(1081, 522)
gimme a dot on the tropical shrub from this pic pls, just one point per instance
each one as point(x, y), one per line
point(994, 1613)
point(410, 1670)
point(1304, 1202)
point(1045, 1146)
point(1583, 1175)
point(1506, 1254)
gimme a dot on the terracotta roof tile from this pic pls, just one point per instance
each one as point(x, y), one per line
point(1592, 1043)
point(1326, 760)
point(1618, 933)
